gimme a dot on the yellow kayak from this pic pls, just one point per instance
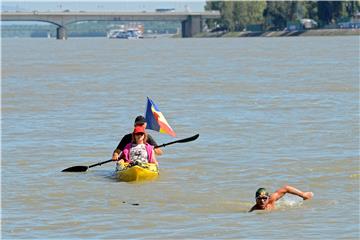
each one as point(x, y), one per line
point(140, 172)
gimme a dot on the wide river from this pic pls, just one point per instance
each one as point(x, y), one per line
point(269, 111)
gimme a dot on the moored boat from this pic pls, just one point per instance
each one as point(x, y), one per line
point(127, 32)
point(138, 172)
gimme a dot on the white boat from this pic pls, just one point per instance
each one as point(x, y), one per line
point(134, 33)
point(115, 33)
point(125, 33)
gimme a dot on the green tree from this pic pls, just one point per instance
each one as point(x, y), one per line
point(276, 14)
point(310, 10)
point(352, 7)
point(227, 15)
point(338, 9)
point(324, 12)
point(255, 12)
point(245, 13)
point(240, 15)
point(332, 11)
point(214, 6)
point(293, 10)
point(235, 15)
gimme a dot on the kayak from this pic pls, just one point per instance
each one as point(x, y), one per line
point(139, 172)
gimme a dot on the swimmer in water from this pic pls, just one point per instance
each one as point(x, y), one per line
point(265, 201)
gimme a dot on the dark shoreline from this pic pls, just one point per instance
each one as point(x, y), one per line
point(317, 32)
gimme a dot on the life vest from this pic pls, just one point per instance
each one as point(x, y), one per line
point(149, 150)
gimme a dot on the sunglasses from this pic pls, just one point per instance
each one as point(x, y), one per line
point(139, 134)
point(262, 198)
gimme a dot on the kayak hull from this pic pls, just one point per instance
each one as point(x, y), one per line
point(136, 173)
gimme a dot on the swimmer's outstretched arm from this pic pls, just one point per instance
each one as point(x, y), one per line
point(289, 189)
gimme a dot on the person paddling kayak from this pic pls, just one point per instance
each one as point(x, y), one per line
point(265, 201)
point(138, 151)
point(139, 121)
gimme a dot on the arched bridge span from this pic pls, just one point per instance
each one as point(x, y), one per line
point(191, 22)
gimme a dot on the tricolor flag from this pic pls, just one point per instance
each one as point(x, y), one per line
point(155, 119)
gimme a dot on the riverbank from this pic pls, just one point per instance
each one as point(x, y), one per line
point(317, 32)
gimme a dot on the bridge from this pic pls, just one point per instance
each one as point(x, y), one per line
point(191, 22)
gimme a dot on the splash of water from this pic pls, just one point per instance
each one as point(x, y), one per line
point(289, 202)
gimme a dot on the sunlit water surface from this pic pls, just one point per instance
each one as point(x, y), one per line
point(269, 111)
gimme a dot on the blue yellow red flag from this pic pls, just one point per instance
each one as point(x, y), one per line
point(155, 119)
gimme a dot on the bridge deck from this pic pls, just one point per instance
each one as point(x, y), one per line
point(13, 16)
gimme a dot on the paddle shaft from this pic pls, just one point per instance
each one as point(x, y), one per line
point(189, 139)
point(100, 163)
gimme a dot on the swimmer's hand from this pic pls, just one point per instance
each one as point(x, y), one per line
point(308, 195)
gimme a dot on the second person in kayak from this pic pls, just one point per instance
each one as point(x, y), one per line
point(138, 151)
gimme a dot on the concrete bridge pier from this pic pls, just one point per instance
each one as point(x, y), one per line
point(61, 33)
point(191, 26)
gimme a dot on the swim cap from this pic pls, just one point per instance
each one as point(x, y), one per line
point(261, 192)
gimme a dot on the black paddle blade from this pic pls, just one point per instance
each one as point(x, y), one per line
point(76, 169)
point(189, 139)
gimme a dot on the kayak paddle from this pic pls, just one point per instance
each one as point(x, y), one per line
point(189, 139)
point(85, 168)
